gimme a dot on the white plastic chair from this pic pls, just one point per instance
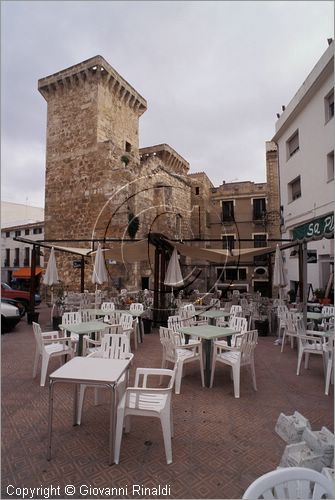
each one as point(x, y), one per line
point(329, 362)
point(291, 482)
point(113, 346)
point(237, 323)
point(137, 307)
point(108, 306)
point(71, 318)
point(112, 317)
point(49, 345)
point(175, 323)
point(236, 310)
point(215, 303)
point(309, 342)
point(179, 354)
point(127, 325)
point(87, 315)
point(145, 401)
point(241, 356)
point(188, 316)
point(327, 323)
point(290, 328)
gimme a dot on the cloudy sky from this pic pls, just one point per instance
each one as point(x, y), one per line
point(214, 75)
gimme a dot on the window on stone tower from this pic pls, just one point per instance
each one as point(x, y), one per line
point(197, 190)
point(128, 147)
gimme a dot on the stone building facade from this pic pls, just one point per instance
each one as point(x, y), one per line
point(97, 177)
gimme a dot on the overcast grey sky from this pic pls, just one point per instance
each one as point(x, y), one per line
point(214, 74)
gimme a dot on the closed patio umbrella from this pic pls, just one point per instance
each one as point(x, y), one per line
point(99, 275)
point(278, 272)
point(51, 274)
point(173, 276)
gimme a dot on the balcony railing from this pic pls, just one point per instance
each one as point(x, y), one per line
point(6, 263)
point(16, 262)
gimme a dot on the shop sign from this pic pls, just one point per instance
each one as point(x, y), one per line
point(317, 228)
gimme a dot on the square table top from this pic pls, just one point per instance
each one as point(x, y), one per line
point(99, 312)
point(215, 313)
point(85, 327)
point(134, 314)
point(93, 370)
point(207, 332)
point(316, 315)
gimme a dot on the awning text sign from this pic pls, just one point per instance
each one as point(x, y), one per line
point(317, 228)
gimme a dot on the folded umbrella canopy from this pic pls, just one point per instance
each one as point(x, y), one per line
point(51, 274)
point(173, 276)
point(278, 272)
point(100, 274)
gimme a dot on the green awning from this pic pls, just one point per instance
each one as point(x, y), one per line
point(323, 227)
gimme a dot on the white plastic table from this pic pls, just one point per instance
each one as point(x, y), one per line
point(84, 328)
point(83, 370)
point(214, 314)
point(208, 333)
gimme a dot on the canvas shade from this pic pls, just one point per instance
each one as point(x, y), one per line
point(173, 276)
point(130, 252)
point(99, 274)
point(51, 274)
point(222, 256)
point(25, 272)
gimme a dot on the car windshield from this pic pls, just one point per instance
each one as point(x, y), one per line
point(5, 286)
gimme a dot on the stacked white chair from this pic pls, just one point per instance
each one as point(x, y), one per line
point(236, 358)
point(179, 354)
point(142, 400)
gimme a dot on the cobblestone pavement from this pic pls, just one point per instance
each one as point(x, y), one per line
point(221, 444)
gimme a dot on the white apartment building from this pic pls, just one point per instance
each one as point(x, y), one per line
point(304, 136)
point(19, 220)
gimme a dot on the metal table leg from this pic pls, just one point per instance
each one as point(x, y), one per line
point(51, 399)
point(112, 426)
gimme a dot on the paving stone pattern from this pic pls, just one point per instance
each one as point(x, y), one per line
point(221, 444)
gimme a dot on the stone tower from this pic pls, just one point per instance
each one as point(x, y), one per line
point(92, 146)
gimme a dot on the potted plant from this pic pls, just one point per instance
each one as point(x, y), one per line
point(319, 294)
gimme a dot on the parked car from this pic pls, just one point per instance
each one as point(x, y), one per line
point(15, 303)
point(19, 295)
point(10, 316)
